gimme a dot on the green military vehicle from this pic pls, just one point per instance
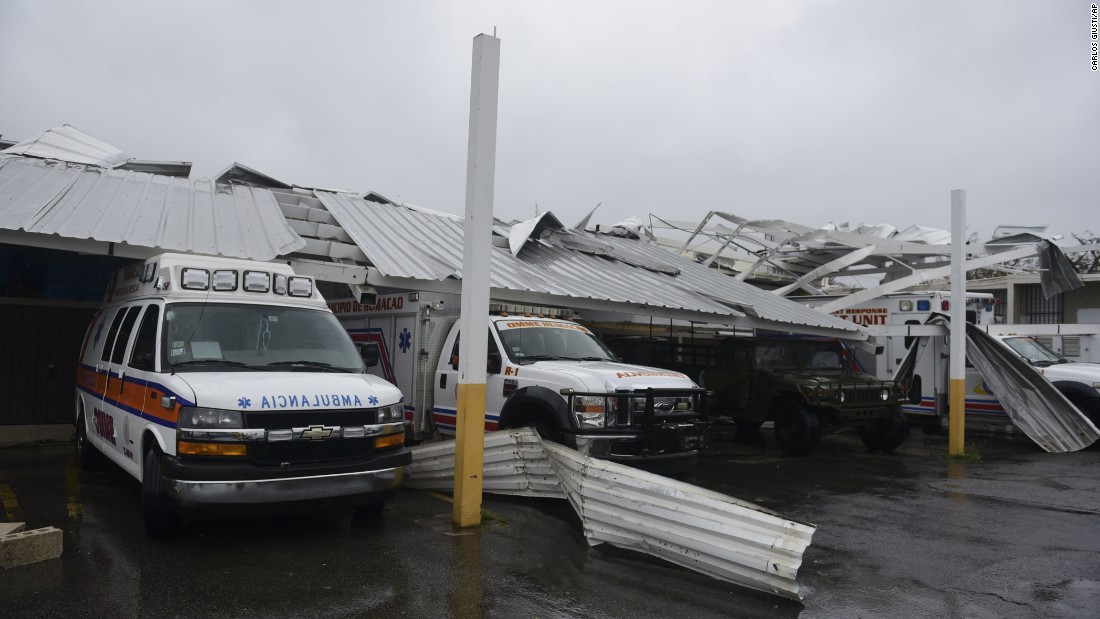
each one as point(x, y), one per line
point(803, 386)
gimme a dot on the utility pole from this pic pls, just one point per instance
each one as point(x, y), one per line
point(956, 439)
point(477, 244)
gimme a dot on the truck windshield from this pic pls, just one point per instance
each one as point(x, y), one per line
point(1035, 353)
point(531, 343)
point(799, 355)
point(227, 336)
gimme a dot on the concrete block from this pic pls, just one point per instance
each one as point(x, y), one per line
point(11, 527)
point(25, 547)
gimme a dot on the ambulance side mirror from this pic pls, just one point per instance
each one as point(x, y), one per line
point(493, 363)
point(368, 352)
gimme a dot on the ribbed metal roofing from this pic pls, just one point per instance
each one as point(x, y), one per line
point(68, 143)
point(401, 242)
point(84, 202)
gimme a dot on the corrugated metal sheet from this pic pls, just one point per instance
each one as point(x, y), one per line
point(67, 143)
point(702, 530)
point(1031, 401)
point(401, 242)
point(515, 464)
point(146, 210)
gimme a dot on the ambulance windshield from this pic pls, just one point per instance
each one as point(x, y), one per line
point(227, 336)
point(541, 341)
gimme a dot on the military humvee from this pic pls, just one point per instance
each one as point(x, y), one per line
point(803, 386)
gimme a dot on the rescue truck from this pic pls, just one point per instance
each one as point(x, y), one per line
point(544, 371)
point(223, 385)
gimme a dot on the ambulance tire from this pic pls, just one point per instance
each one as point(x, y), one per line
point(158, 513)
point(797, 430)
point(88, 458)
point(368, 510)
point(1087, 407)
point(886, 435)
point(542, 423)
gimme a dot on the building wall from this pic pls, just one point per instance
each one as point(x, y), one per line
point(47, 299)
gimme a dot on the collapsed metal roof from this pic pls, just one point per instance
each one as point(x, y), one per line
point(801, 256)
point(66, 190)
point(558, 266)
point(43, 202)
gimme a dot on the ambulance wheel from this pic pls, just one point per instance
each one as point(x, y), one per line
point(541, 424)
point(1087, 408)
point(885, 435)
point(797, 430)
point(158, 513)
point(88, 458)
point(368, 510)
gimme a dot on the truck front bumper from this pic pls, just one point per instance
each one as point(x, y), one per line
point(202, 485)
point(670, 449)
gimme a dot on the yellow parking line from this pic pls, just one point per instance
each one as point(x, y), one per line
point(72, 487)
point(441, 496)
point(11, 505)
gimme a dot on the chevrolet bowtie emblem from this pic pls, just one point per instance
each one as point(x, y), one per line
point(316, 433)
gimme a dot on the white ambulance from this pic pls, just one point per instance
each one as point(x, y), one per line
point(544, 371)
point(226, 384)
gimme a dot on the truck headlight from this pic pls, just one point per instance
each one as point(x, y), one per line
point(815, 393)
point(195, 417)
point(885, 394)
point(590, 411)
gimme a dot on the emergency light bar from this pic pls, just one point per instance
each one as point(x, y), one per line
point(257, 281)
point(195, 279)
point(229, 280)
point(300, 286)
point(225, 280)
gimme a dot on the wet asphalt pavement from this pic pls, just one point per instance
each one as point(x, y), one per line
point(909, 534)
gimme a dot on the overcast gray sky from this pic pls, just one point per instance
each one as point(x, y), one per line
point(813, 111)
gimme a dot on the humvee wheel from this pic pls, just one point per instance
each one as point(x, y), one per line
point(885, 435)
point(797, 430)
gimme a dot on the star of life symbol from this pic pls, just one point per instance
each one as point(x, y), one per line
point(244, 402)
point(373, 400)
point(404, 341)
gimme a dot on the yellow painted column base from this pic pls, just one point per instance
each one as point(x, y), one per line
point(469, 455)
point(956, 436)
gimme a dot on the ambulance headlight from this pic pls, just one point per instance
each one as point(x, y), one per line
point(390, 414)
point(194, 417)
point(590, 411)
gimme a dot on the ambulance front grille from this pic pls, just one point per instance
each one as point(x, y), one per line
point(284, 420)
point(302, 452)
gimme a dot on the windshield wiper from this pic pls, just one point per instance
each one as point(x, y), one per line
point(215, 362)
point(586, 358)
point(328, 367)
point(542, 358)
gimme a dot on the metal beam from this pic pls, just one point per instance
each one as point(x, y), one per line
point(921, 276)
